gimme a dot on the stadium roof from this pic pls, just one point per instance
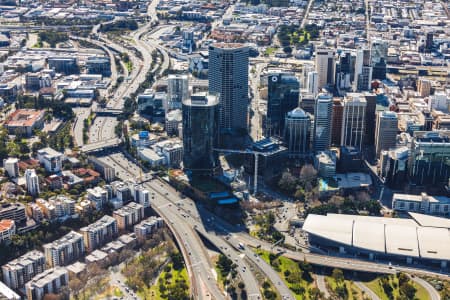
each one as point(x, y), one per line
point(424, 236)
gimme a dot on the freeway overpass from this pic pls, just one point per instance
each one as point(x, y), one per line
point(108, 112)
point(101, 145)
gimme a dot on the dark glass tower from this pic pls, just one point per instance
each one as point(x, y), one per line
point(283, 96)
point(200, 132)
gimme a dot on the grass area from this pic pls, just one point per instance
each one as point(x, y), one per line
point(353, 292)
point(129, 66)
point(270, 50)
point(207, 185)
point(376, 286)
point(111, 291)
point(154, 292)
point(297, 278)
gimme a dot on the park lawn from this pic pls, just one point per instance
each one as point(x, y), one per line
point(153, 291)
point(353, 292)
point(421, 292)
point(292, 266)
point(375, 286)
point(111, 291)
point(270, 50)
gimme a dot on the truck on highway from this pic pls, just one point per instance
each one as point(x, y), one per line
point(241, 246)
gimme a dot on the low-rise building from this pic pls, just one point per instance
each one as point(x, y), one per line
point(24, 121)
point(11, 166)
point(325, 164)
point(13, 211)
point(147, 227)
point(433, 205)
point(64, 250)
point(50, 281)
point(98, 197)
point(51, 159)
point(21, 270)
point(97, 234)
point(129, 215)
point(7, 230)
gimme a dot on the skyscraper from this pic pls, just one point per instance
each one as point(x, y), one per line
point(345, 71)
point(428, 160)
point(313, 83)
point(386, 131)
point(283, 96)
point(370, 116)
point(200, 132)
point(378, 52)
point(322, 122)
point(354, 120)
point(325, 67)
point(336, 127)
point(297, 131)
point(363, 71)
point(32, 181)
point(228, 77)
point(178, 90)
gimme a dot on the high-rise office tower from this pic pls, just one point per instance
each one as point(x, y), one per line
point(322, 122)
point(354, 120)
point(363, 71)
point(345, 71)
point(200, 132)
point(228, 77)
point(325, 67)
point(313, 83)
point(429, 41)
point(424, 87)
point(336, 127)
point(297, 132)
point(306, 69)
point(386, 131)
point(371, 107)
point(32, 182)
point(428, 160)
point(283, 96)
point(378, 52)
point(178, 90)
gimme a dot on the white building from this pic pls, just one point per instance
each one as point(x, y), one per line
point(32, 182)
point(98, 197)
point(313, 83)
point(325, 67)
point(7, 230)
point(433, 205)
point(64, 250)
point(11, 166)
point(50, 281)
point(151, 156)
point(51, 159)
point(21, 270)
point(354, 120)
point(178, 90)
point(171, 150)
point(100, 232)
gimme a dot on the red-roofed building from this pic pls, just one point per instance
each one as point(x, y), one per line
point(7, 229)
point(88, 175)
point(24, 121)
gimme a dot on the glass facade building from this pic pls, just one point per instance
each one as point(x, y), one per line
point(283, 96)
point(200, 132)
point(429, 161)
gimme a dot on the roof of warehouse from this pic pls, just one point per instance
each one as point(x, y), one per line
point(418, 237)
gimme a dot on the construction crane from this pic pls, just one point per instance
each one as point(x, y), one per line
point(255, 153)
